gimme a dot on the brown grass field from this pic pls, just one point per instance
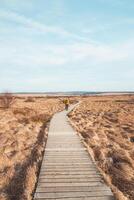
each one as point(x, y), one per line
point(106, 124)
point(23, 133)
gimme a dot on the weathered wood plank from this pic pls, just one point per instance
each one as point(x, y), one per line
point(67, 176)
point(67, 164)
point(66, 153)
point(67, 158)
point(67, 161)
point(91, 184)
point(72, 189)
point(83, 156)
point(69, 172)
point(80, 198)
point(69, 180)
point(73, 194)
point(48, 150)
point(65, 142)
point(67, 169)
point(65, 146)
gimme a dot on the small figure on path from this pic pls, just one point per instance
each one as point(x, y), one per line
point(66, 102)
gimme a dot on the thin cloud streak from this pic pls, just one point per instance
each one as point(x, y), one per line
point(15, 17)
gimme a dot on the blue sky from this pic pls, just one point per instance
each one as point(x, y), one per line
point(66, 45)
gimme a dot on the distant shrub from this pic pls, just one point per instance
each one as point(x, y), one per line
point(6, 100)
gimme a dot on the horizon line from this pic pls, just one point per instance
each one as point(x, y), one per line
point(75, 91)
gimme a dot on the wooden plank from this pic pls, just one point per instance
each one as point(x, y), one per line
point(70, 176)
point(69, 173)
point(67, 164)
point(64, 141)
point(72, 143)
point(73, 161)
point(66, 168)
point(57, 157)
point(73, 194)
point(63, 165)
point(54, 159)
point(65, 149)
point(80, 198)
point(68, 160)
point(69, 169)
point(69, 180)
point(67, 156)
point(72, 189)
point(66, 153)
point(91, 184)
point(67, 146)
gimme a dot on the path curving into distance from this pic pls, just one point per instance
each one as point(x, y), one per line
point(67, 171)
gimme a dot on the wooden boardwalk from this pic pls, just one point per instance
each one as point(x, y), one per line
point(67, 171)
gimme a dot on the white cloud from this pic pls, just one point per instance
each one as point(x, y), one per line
point(34, 55)
point(32, 24)
point(12, 16)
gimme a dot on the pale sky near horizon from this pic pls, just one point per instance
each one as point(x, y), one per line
point(66, 45)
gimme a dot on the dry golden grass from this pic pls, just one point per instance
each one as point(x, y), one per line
point(22, 140)
point(107, 125)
